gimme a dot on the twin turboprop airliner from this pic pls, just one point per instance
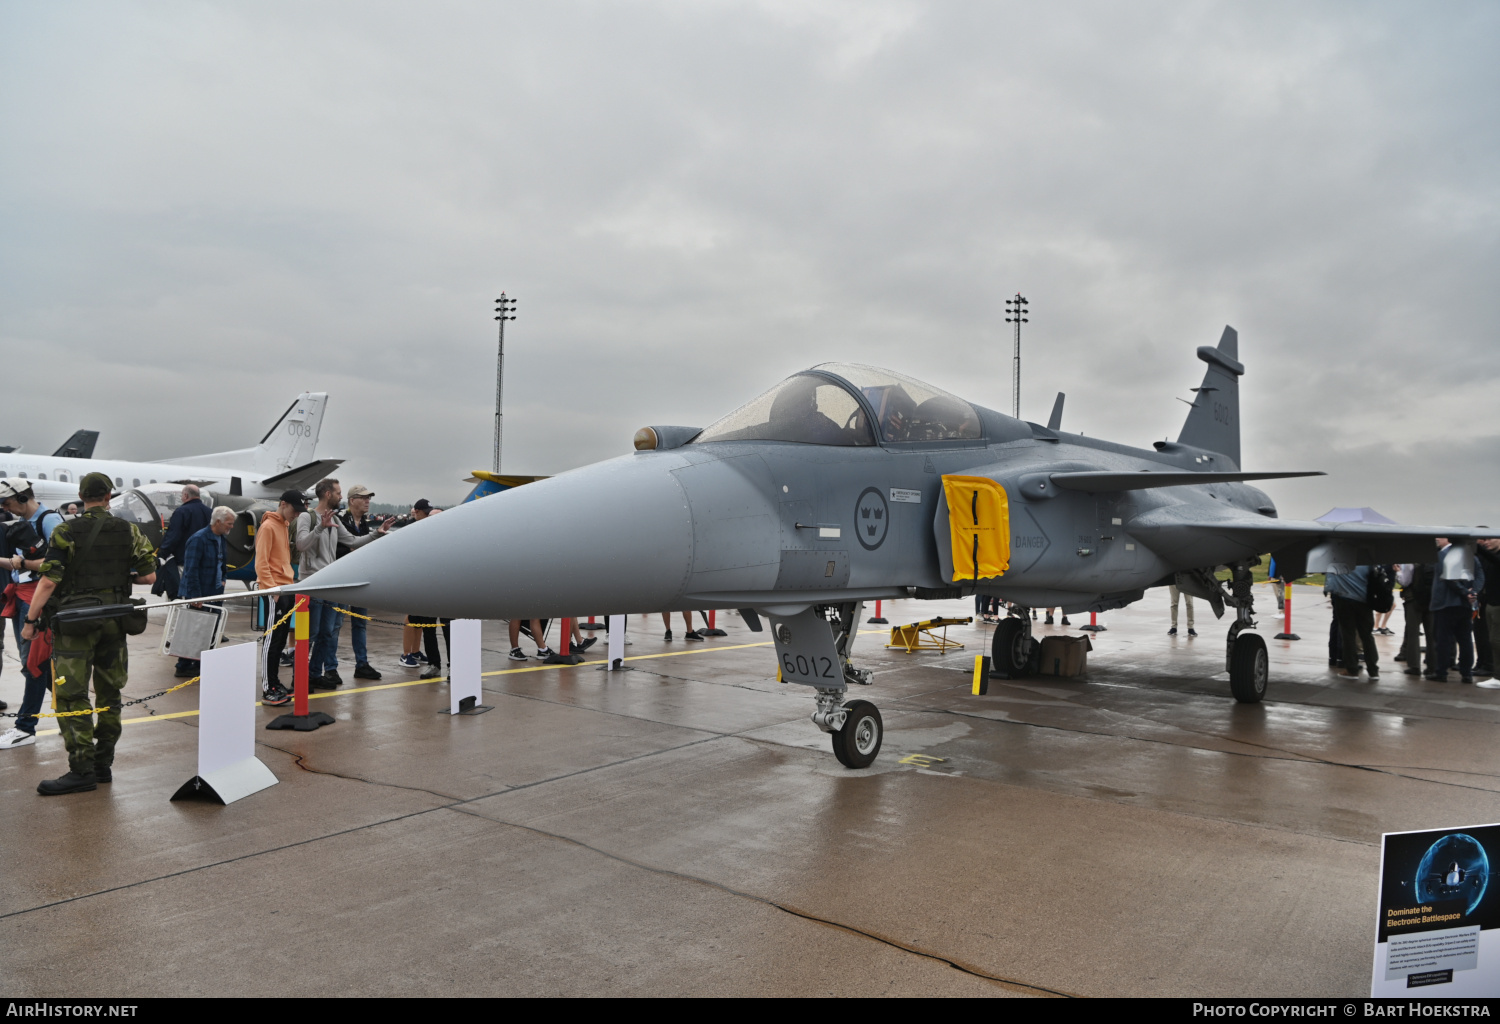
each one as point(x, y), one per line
point(283, 460)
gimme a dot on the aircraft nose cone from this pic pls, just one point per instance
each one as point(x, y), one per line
point(609, 538)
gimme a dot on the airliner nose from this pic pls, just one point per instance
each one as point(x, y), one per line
point(612, 537)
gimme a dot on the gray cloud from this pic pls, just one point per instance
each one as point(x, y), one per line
point(209, 207)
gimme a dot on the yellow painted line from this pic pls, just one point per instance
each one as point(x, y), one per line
point(439, 679)
point(921, 760)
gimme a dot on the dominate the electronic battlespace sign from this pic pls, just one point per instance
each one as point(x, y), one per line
point(1439, 928)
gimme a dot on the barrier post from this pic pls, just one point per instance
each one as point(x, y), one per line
point(300, 719)
point(228, 769)
point(301, 651)
point(1286, 625)
point(591, 624)
point(464, 689)
point(563, 654)
point(877, 619)
point(1093, 626)
point(712, 629)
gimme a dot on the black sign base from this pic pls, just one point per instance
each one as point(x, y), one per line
point(302, 723)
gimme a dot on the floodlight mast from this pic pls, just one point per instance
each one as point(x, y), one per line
point(505, 309)
point(1015, 313)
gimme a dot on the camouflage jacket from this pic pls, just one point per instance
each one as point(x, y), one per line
point(68, 537)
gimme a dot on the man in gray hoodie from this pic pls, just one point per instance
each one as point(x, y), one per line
point(318, 536)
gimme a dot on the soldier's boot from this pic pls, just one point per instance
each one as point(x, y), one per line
point(73, 782)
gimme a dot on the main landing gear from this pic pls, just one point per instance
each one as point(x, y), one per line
point(1014, 651)
point(1245, 657)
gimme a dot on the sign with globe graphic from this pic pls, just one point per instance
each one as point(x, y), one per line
point(1455, 867)
point(1438, 933)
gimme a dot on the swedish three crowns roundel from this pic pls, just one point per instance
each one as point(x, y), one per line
point(872, 517)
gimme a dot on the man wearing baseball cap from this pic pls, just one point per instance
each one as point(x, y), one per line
point(273, 568)
point(356, 520)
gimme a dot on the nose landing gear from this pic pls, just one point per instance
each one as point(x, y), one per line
point(812, 647)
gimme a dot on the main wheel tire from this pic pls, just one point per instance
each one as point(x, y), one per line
point(1249, 668)
point(857, 743)
point(1008, 649)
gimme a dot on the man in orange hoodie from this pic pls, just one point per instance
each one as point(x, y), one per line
point(273, 568)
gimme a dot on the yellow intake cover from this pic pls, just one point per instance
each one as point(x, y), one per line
point(979, 521)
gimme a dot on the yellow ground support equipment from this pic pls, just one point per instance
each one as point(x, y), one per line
point(979, 523)
point(919, 636)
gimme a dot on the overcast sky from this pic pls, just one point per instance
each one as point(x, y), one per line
point(207, 208)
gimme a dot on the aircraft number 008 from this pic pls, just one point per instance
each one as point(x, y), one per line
point(800, 665)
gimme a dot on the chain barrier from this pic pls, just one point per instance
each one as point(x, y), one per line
point(277, 624)
point(109, 707)
point(141, 700)
point(386, 622)
point(129, 703)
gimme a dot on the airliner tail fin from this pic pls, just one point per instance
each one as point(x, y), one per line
point(290, 442)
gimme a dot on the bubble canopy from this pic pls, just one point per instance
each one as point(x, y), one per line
point(809, 408)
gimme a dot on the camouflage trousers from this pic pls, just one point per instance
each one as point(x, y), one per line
point(100, 653)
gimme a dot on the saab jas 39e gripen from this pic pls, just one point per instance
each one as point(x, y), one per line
point(847, 483)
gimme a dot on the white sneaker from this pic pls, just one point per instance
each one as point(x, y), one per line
point(16, 738)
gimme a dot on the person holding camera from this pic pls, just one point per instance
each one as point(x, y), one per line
point(93, 562)
point(25, 546)
point(357, 521)
point(319, 534)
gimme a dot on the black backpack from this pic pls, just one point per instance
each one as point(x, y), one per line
point(1380, 595)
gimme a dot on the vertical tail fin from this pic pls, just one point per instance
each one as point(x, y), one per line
point(290, 442)
point(293, 438)
point(79, 446)
point(1214, 422)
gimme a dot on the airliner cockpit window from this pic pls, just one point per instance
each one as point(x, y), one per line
point(907, 409)
point(809, 410)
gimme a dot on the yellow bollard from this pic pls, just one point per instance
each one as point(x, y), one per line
point(981, 675)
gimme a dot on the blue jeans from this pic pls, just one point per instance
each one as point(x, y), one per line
point(36, 686)
point(323, 632)
point(357, 632)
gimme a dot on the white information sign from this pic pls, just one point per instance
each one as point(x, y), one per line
point(228, 769)
point(1438, 933)
point(463, 664)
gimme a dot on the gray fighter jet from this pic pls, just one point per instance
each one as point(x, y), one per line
point(847, 483)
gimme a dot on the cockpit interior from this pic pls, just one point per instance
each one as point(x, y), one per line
point(835, 403)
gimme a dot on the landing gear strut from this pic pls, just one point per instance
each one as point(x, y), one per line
point(1245, 653)
point(844, 618)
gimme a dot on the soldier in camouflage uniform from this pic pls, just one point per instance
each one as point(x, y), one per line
point(94, 556)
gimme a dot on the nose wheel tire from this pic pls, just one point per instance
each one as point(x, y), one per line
point(1249, 668)
point(1009, 651)
point(857, 743)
